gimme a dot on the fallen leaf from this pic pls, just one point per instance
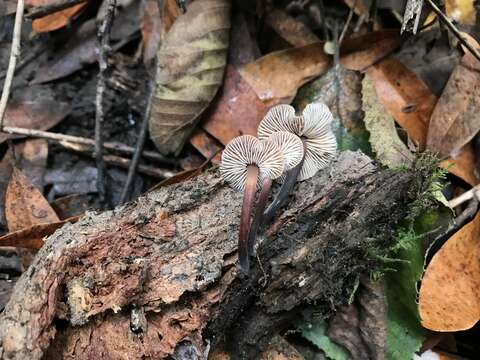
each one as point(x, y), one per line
point(191, 62)
point(32, 237)
point(386, 143)
point(31, 158)
point(341, 90)
point(360, 52)
point(72, 205)
point(38, 115)
point(462, 11)
point(316, 333)
point(170, 13)
point(295, 32)
point(206, 145)
point(236, 111)
point(455, 120)
point(276, 77)
point(246, 48)
point(404, 96)
point(25, 206)
point(463, 165)
point(57, 19)
point(81, 48)
point(450, 292)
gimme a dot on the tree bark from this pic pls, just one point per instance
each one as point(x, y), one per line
point(157, 278)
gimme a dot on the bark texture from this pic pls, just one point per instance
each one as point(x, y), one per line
point(157, 278)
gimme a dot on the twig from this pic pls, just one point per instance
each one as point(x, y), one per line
point(119, 161)
point(461, 220)
point(111, 145)
point(453, 29)
point(466, 196)
point(347, 24)
point(52, 8)
point(139, 147)
point(14, 54)
point(104, 37)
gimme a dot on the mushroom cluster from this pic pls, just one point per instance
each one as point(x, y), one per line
point(290, 148)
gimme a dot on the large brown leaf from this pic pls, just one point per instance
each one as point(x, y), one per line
point(236, 111)
point(38, 115)
point(191, 63)
point(450, 292)
point(25, 206)
point(455, 120)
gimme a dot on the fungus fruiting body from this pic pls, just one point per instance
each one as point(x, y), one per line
point(313, 128)
point(291, 147)
point(245, 162)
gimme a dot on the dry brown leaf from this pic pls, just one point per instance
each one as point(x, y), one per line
point(71, 205)
point(31, 158)
point(292, 30)
point(206, 145)
point(39, 115)
point(58, 19)
point(450, 293)
point(170, 13)
point(405, 97)
point(276, 77)
point(191, 64)
point(32, 237)
point(280, 349)
point(236, 111)
point(360, 52)
point(463, 165)
point(25, 206)
point(455, 119)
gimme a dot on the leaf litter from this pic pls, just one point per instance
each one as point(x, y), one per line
point(392, 98)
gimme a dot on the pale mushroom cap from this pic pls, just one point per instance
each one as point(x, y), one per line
point(291, 147)
point(248, 150)
point(314, 129)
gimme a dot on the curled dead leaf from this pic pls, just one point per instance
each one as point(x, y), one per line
point(191, 63)
point(25, 205)
point(450, 293)
point(32, 237)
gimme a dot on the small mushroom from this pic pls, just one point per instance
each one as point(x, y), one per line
point(319, 143)
point(291, 147)
point(245, 161)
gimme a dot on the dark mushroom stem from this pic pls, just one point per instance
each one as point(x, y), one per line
point(247, 206)
point(258, 216)
point(262, 216)
point(291, 177)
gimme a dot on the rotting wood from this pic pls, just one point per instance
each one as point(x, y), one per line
point(171, 256)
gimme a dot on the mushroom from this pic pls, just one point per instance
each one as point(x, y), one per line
point(319, 143)
point(245, 161)
point(291, 147)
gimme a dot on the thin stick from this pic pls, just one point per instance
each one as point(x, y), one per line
point(347, 24)
point(139, 148)
point(14, 54)
point(119, 161)
point(104, 37)
point(110, 145)
point(468, 195)
point(453, 29)
point(52, 8)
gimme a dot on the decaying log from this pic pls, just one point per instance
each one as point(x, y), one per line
point(157, 279)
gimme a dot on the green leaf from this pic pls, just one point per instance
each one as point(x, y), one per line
point(316, 333)
point(405, 334)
